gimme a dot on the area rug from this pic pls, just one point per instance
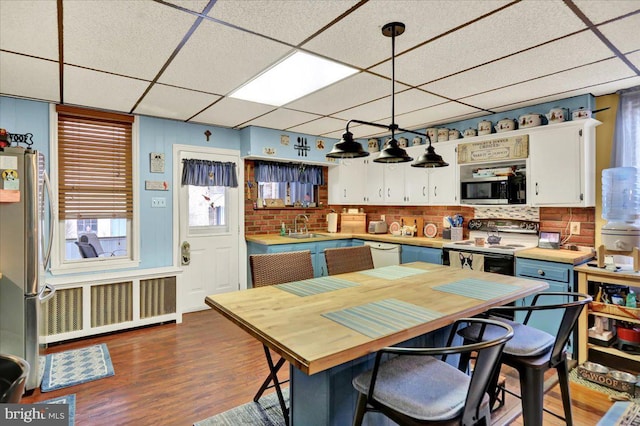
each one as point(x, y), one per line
point(66, 399)
point(266, 412)
point(76, 366)
point(613, 394)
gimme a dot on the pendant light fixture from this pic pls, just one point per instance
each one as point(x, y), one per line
point(391, 153)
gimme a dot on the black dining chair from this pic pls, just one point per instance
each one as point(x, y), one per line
point(416, 386)
point(532, 351)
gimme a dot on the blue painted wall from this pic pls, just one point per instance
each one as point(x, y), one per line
point(159, 135)
point(23, 116)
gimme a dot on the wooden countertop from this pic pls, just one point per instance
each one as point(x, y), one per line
point(551, 255)
point(294, 327)
point(273, 239)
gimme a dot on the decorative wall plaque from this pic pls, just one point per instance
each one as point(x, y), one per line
point(509, 148)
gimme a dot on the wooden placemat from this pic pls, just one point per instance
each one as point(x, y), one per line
point(315, 286)
point(476, 289)
point(383, 317)
point(393, 272)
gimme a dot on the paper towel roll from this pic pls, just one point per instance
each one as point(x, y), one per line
point(332, 222)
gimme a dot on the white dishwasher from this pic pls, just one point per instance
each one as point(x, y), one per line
point(384, 254)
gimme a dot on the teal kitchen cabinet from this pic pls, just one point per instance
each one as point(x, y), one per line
point(560, 277)
point(316, 249)
point(421, 254)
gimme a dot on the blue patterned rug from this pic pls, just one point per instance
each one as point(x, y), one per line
point(70, 400)
point(266, 412)
point(76, 366)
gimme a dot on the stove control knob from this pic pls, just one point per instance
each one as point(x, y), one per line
point(523, 225)
point(531, 225)
point(474, 224)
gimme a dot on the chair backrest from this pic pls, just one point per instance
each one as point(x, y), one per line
point(86, 250)
point(13, 377)
point(348, 259)
point(92, 238)
point(278, 268)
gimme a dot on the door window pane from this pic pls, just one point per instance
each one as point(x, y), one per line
point(207, 207)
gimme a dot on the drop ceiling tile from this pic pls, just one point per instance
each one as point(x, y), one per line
point(576, 79)
point(523, 25)
point(361, 29)
point(282, 118)
point(194, 5)
point(133, 38)
point(286, 20)
point(101, 90)
point(380, 109)
point(634, 58)
point(172, 102)
point(348, 93)
point(229, 112)
point(30, 27)
point(599, 11)
point(624, 34)
point(558, 56)
point(319, 126)
point(29, 77)
point(442, 113)
point(218, 59)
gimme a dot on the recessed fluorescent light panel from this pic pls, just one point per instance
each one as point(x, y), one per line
point(297, 75)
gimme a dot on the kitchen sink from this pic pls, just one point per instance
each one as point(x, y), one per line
point(300, 235)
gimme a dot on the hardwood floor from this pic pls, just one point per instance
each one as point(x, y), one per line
point(177, 374)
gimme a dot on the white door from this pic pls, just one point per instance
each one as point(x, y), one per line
point(209, 224)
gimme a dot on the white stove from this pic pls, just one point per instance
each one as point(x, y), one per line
point(513, 235)
point(502, 239)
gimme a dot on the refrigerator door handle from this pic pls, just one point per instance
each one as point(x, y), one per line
point(44, 297)
point(52, 222)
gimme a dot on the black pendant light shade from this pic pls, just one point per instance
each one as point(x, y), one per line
point(430, 159)
point(347, 148)
point(392, 153)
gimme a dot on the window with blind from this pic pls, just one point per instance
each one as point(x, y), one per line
point(95, 183)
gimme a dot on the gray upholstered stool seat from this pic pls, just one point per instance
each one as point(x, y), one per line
point(526, 341)
point(401, 386)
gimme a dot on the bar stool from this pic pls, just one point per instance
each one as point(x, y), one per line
point(532, 351)
point(271, 269)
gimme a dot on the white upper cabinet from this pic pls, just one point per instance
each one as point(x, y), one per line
point(562, 165)
point(346, 181)
point(373, 176)
point(444, 183)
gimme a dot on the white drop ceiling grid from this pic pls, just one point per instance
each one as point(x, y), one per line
point(455, 60)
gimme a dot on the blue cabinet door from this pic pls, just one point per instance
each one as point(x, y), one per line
point(421, 254)
point(560, 277)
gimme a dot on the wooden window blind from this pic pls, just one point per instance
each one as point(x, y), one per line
point(94, 164)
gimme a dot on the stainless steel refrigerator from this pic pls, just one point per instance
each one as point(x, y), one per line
point(24, 254)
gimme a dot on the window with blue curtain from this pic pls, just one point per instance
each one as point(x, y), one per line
point(626, 139)
point(294, 183)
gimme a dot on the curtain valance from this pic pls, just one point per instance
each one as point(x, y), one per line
point(209, 173)
point(288, 172)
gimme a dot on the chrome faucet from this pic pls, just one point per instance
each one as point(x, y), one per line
point(295, 223)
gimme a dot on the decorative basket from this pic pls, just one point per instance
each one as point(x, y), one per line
point(621, 311)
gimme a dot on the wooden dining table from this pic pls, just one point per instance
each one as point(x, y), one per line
point(328, 328)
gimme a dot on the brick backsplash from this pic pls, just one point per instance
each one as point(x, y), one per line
point(268, 221)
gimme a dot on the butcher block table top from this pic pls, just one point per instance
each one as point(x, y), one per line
point(571, 257)
point(321, 323)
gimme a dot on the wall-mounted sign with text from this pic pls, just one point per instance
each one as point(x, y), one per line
point(509, 148)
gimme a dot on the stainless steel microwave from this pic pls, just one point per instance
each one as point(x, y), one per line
point(494, 190)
